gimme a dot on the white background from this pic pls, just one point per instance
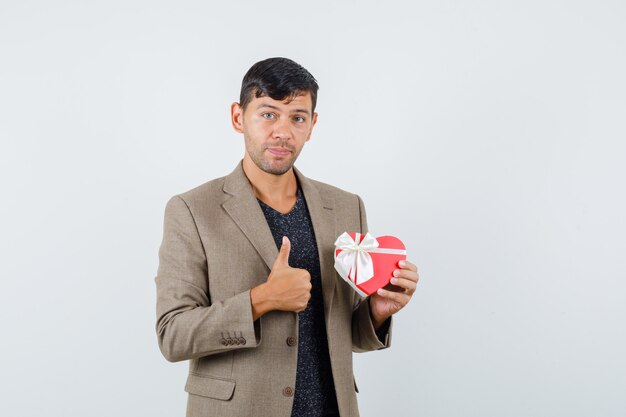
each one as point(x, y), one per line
point(489, 135)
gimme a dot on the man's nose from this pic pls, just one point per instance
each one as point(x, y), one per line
point(282, 129)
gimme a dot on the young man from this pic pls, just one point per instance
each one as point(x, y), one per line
point(246, 285)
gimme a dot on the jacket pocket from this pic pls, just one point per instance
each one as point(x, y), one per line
point(212, 387)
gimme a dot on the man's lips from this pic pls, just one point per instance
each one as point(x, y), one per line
point(279, 151)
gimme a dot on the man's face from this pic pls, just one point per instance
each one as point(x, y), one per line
point(274, 131)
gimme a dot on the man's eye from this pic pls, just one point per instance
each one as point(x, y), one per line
point(268, 116)
point(299, 119)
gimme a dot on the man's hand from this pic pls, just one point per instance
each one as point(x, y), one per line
point(286, 288)
point(394, 296)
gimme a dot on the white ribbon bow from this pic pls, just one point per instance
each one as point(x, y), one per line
point(354, 262)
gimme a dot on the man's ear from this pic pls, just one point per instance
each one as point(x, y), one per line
point(313, 121)
point(236, 117)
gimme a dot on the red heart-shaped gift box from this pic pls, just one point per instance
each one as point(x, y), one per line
point(384, 263)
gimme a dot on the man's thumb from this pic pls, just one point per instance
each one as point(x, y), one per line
point(283, 255)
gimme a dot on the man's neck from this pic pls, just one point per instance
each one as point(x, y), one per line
point(277, 191)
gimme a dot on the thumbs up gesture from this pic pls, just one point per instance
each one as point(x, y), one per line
point(286, 288)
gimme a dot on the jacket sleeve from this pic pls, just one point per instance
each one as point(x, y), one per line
point(189, 324)
point(364, 337)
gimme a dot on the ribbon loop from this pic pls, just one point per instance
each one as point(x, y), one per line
point(354, 261)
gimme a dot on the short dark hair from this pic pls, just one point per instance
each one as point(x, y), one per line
point(277, 78)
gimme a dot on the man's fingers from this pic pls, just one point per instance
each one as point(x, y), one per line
point(399, 297)
point(407, 265)
point(283, 255)
point(406, 273)
point(405, 284)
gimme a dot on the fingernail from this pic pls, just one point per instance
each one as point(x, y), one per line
point(394, 280)
point(380, 291)
point(402, 264)
point(396, 273)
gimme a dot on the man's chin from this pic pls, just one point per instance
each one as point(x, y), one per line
point(274, 166)
point(276, 169)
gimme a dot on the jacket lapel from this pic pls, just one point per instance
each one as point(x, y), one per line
point(245, 211)
point(321, 211)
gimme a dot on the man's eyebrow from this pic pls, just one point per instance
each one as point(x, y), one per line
point(270, 106)
point(305, 111)
point(260, 106)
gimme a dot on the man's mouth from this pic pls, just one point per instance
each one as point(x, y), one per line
point(279, 151)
